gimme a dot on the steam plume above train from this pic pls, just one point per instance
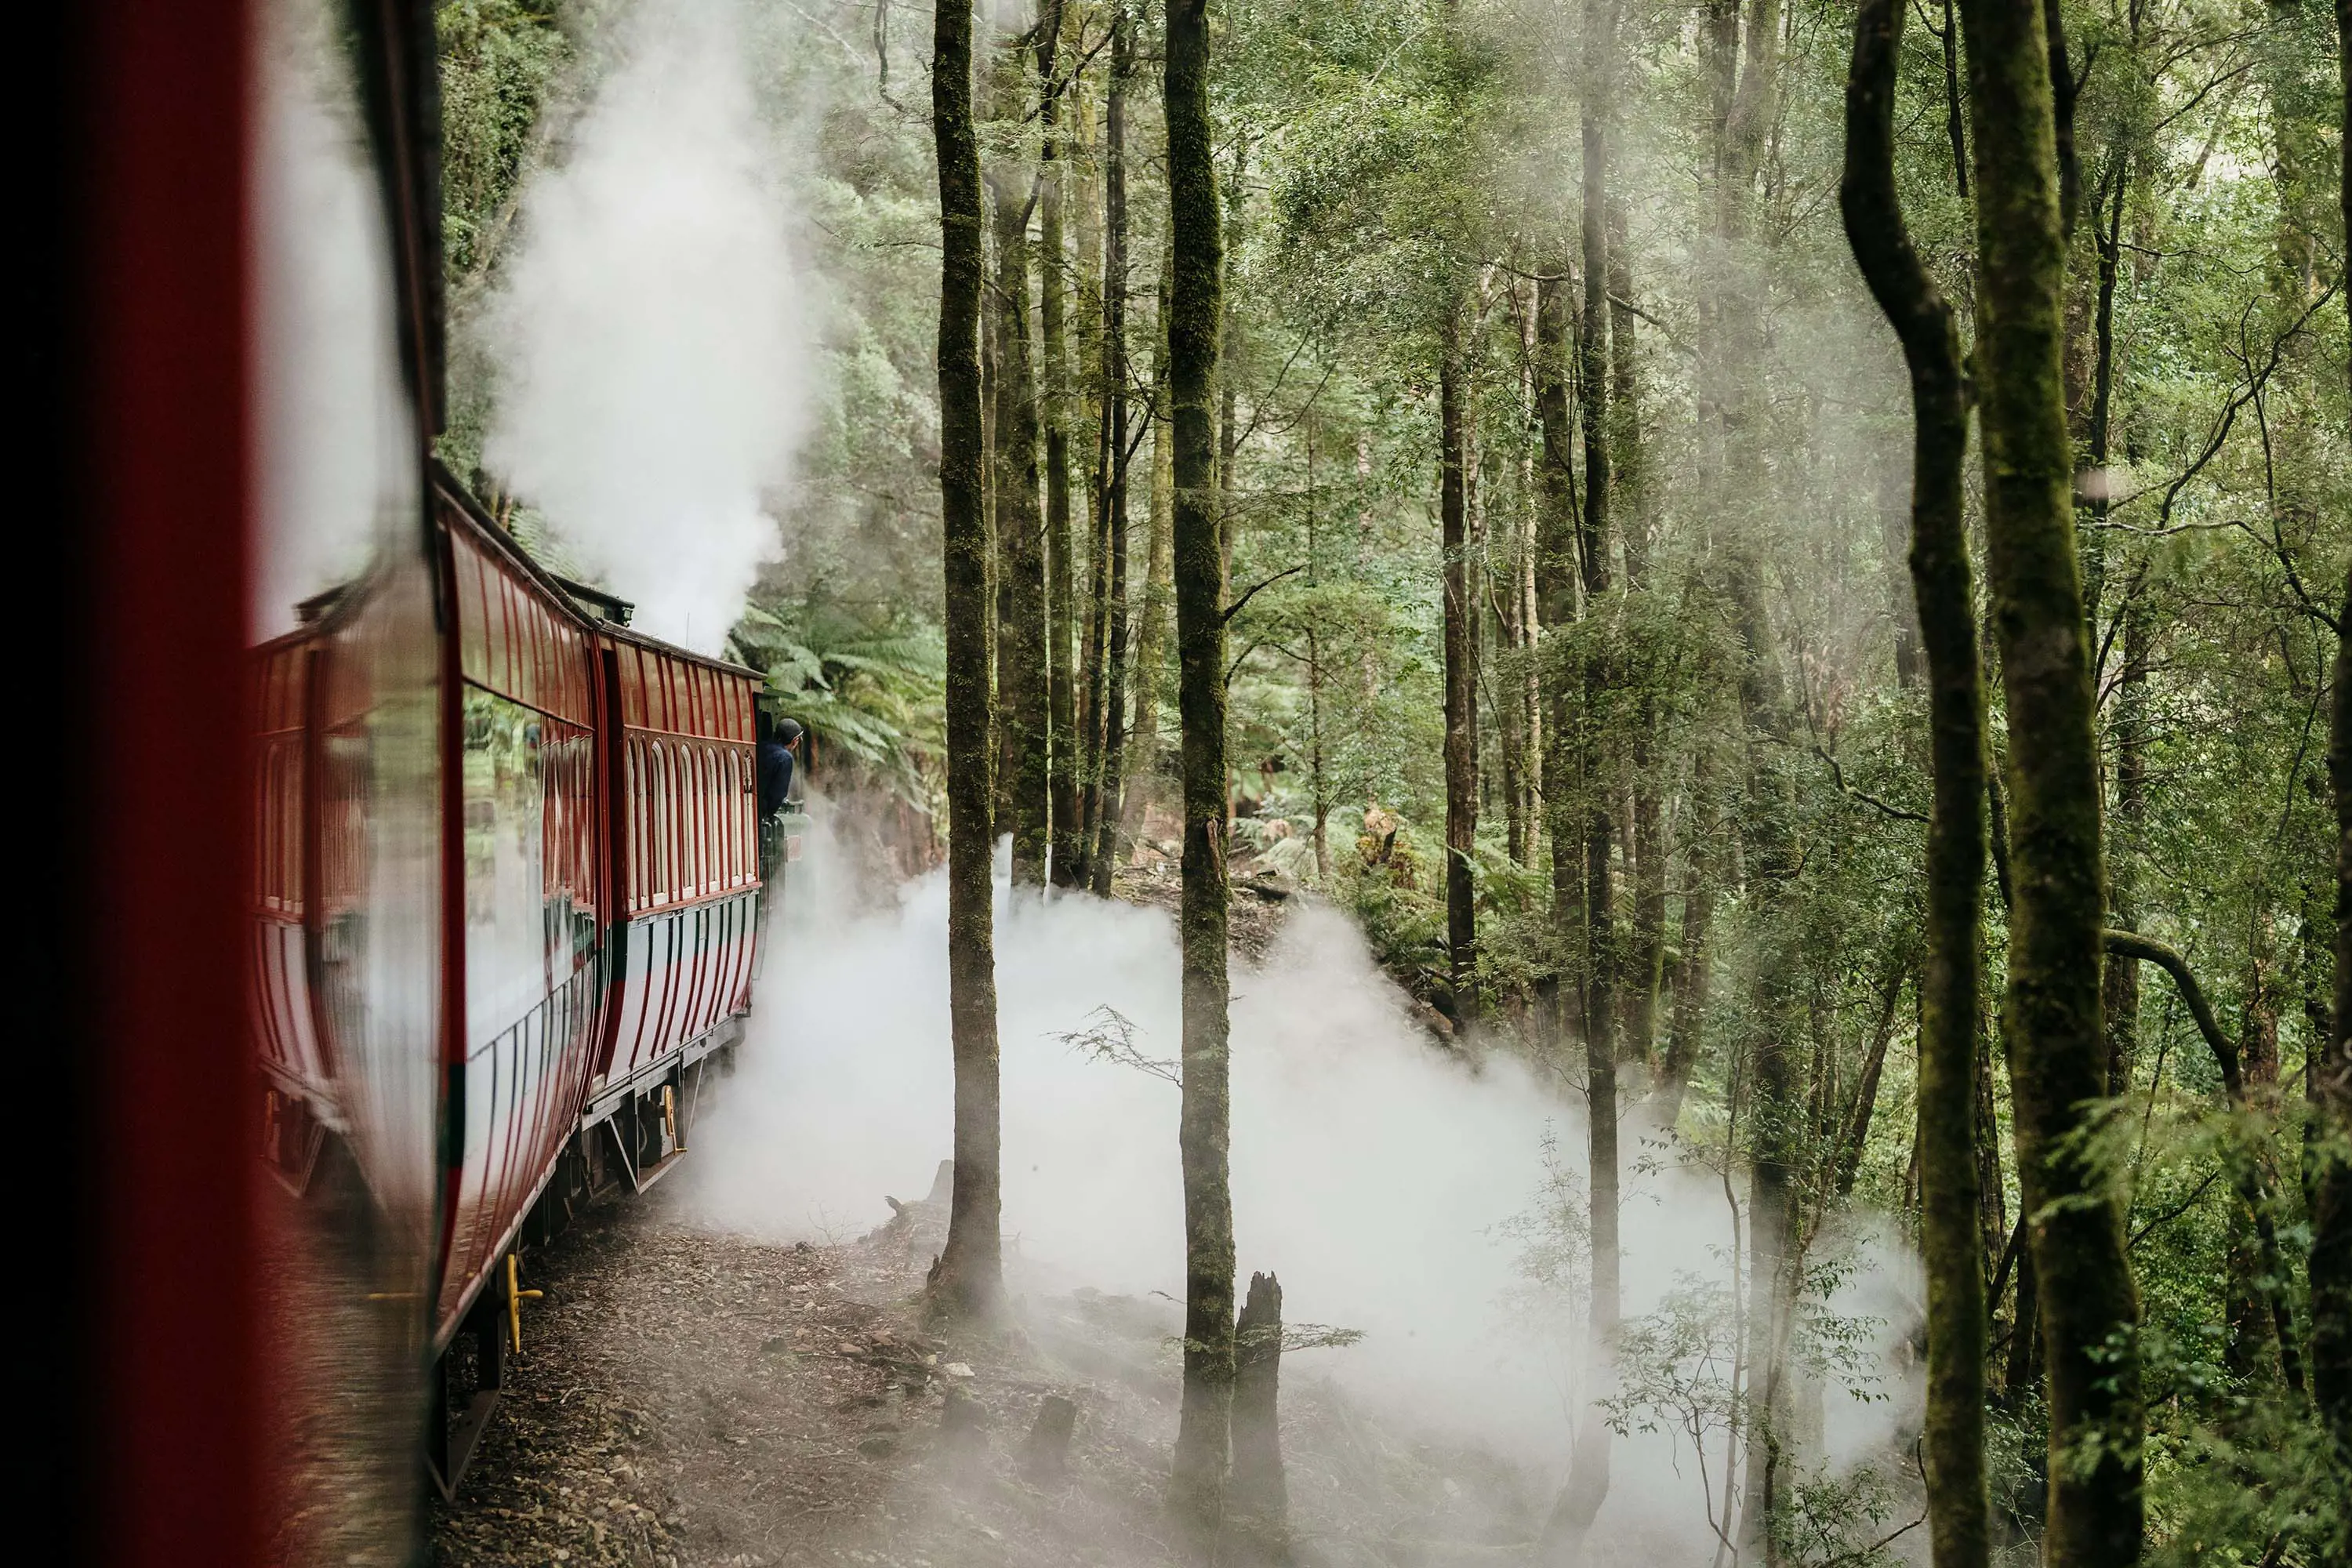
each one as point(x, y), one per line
point(650, 329)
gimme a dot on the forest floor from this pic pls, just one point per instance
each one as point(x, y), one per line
point(686, 1397)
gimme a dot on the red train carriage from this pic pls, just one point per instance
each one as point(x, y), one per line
point(686, 863)
point(594, 843)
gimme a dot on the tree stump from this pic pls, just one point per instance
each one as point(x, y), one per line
point(963, 1437)
point(1048, 1453)
point(1258, 1496)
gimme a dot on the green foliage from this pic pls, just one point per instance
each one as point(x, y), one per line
point(498, 59)
point(871, 695)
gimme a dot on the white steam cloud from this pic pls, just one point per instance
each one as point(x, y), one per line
point(652, 329)
point(1379, 1176)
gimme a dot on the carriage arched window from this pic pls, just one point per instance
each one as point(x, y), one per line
point(657, 881)
point(708, 767)
point(698, 874)
point(732, 805)
point(636, 847)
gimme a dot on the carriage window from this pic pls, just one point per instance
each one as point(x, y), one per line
point(702, 824)
point(516, 938)
point(729, 805)
point(657, 878)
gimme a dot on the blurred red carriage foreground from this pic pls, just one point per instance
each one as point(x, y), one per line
point(442, 901)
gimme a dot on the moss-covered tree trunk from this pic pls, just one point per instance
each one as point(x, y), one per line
point(2128, 723)
point(1644, 946)
point(1688, 1013)
point(1461, 617)
point(967, 1280)
point(1103, 856)
point(1587, 1487)
point(1204, 1130)
point(1949, 1130)
point(1023, 688)
point(1775, 1123)
point(1556, 599)
point(1142, 761)
point(2051, 1018)
point(2330, 1074)
point(1094, 665)
point(1054, 394)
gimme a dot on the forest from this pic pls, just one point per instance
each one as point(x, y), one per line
point(1786, 564)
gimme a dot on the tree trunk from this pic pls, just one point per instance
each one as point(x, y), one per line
point(2130, 725)
point(2022, 1369)
point(1461, 674)
point(1196, 1491)
point(1556, 599)
point(1142, 754)
point(1772, 1153)
point(1094, 700)
point(1853, 1136)
point(1060, 595)
point(1587, 1479)
point(1511, 735)
point(1023, 687)
point(1645, 952)
point(1228, 382)
point(1689, 1013)
point(2329, 1078)
point(2050, 1019)
point(1104, 855)
point(1951, 1130)
point(967, 1280)
point(1992, 1213)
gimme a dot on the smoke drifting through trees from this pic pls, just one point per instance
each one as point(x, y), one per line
point(1396, 1188)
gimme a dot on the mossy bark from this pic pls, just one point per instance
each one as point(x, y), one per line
point(1587, 1487)
point(1023, 687)
point(1555, 601)
point(1460, 615)
point(1104, 853)
point(1062, 771)
point(1949, 1127)
point(1142, 761)
point(2329, 1075)
point(967, 1280)
point(2329, 1082)
point(1197, 1487)
point(2051, 1018)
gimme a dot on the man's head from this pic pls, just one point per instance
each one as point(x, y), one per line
point(788, 730)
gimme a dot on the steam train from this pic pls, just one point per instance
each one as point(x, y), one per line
point(585, 851)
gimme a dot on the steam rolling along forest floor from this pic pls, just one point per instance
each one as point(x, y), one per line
point(691, 1398)
point(686, 1397)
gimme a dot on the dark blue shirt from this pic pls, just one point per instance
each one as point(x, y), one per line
point(776, 775)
